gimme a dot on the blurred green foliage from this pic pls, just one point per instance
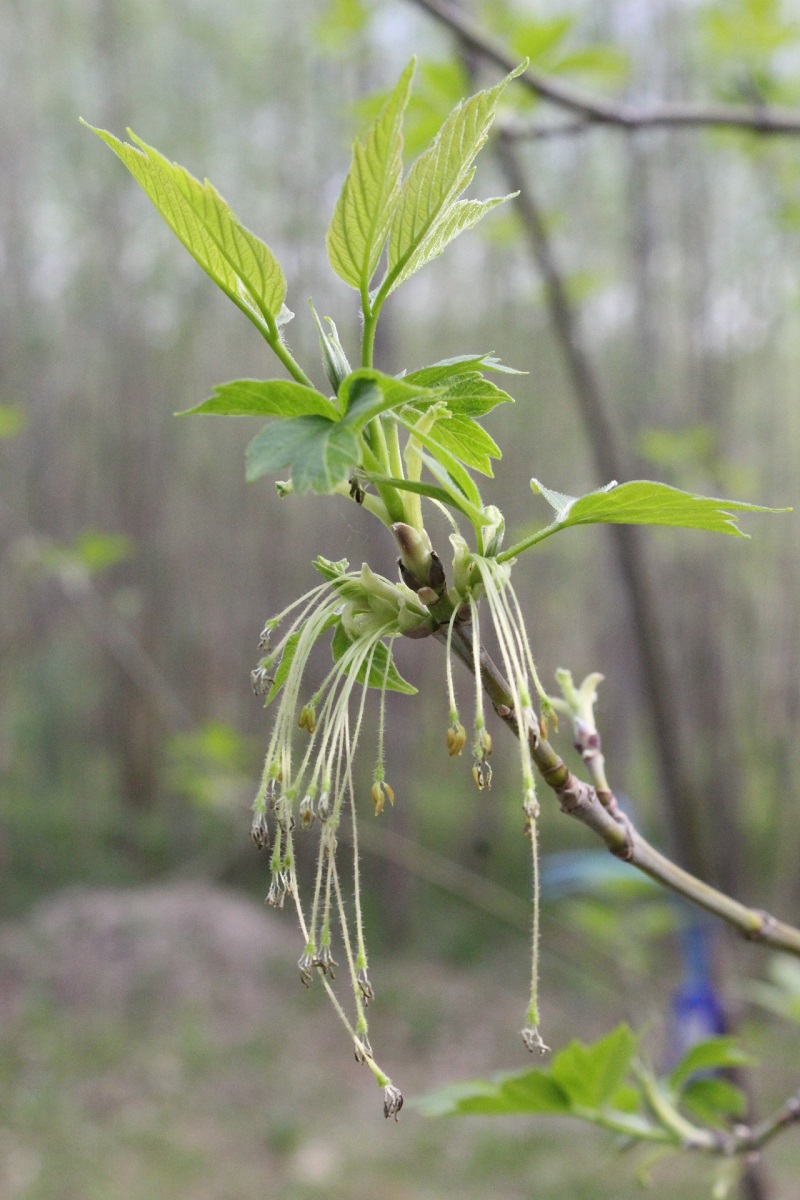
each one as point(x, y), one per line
point(681, 248)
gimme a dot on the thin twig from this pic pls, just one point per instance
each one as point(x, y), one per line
point(579, 800)
point(758, 1136)
point(593, 110)
point(659, 686)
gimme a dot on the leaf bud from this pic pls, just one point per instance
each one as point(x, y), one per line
point(414, 624)
point(334, 359)
point(462, 564)
point(420, 567)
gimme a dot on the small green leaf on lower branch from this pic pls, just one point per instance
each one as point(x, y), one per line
point(713, 1054)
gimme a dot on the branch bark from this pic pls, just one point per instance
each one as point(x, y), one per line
point(579, 799)
point(593, 110)
point(660, 692)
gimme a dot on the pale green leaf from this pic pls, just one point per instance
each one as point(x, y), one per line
point(590, 1075)
point(264, 398)
point(446, 463)
point(238, 261)
point(340, 23)
point(712, 1054)
point(424, 220)
point(539, 39)
point(524, 1092)
point(465, 391)
point(467, 441)
point(446, 367)
point(461, 215)
point(320, 453)
point(367, 392)
point(714, 1101)
point(645, 503)
point(360, 223)
point(378, 677)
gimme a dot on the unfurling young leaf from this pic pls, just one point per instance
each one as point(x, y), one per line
point(238, 262)
point(428, 213)
point(360, 223)
point(367, 392)
point(462, 386)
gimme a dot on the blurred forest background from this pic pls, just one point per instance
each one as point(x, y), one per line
point(153, 1037)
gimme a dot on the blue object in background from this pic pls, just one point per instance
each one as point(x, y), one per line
point(696, 1011)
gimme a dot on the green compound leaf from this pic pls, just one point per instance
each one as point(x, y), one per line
point(526, 1092)
point(467, 441)
point(367, 392)
point(462, 387)
point(378, 676)
point(581, 1081)
point(428, 213)
point(320, 453)
point(645, 503)
point(238, 262)
point(713, 1054)
point(264, 398)
point(590, 1075)
point(714, 1101)
point(360, 223)
point(443, 465)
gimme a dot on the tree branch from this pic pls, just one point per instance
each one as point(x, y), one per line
point(579, 800)
point(593, 110)
point(660, 691)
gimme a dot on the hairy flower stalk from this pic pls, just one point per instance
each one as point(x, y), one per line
point(308, 778)
point(493, 580)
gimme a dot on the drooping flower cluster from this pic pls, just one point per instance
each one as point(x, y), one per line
point(314, 786)
point(484, 578)
point(309, 783)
